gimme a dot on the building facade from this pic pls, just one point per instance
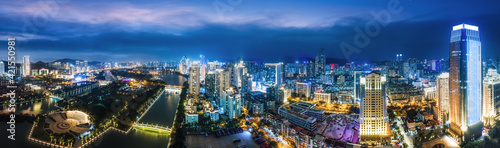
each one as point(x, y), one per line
point(374, 119)
point(465, 83)
point(491, 96)
point(443, 94)
point(26, 66)
point(303, 89)
point(194, 80)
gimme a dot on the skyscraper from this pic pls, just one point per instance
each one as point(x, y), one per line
point(273, 75)
point(194, 80)
point(26, 66)
point(203, 68)
point(465, 83)
point(2, 68)
point(210, 83)
point(443, 94)
point(230, 102)
point(491, 96)
point(320, 62)
point(374, 119)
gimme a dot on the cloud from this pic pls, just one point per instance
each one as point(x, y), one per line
point(121, 31)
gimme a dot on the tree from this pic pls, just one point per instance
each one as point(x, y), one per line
point(474, 144)
point(274, 144)
point(354, 109)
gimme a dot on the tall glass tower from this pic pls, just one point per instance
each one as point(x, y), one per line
point(465, 83)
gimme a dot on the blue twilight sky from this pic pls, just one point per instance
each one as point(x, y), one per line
point(225, 29)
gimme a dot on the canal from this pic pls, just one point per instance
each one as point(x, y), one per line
point(161, 113)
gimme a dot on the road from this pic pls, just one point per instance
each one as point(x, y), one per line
point(407, 140)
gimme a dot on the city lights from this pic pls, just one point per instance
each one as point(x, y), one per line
point(250, 74)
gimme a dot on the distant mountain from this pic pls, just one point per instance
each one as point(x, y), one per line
point(73, 61)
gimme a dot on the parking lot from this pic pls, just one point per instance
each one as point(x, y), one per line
point(201, 141)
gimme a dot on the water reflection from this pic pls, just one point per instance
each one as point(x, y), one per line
point(35, 108)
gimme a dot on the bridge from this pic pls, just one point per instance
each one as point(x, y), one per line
point(151, 127)
point(173, 88)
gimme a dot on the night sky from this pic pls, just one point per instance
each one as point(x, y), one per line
point(263, 29)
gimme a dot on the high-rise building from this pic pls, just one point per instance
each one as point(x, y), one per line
point(374, 119)
point(310, 68)
point(26, 66)
point(491, 96)
point(241, 70)
point(220, 84)
point(230, 102)
point(443, 94)
point(203, 68)
point(399, 57)
point(465, 83)
point(246, 84)
point(194, 80)
point(274, 75)
point(2, 68)
point(230, 76)
point(320, 62)
point(303, 89)
point(210, 83)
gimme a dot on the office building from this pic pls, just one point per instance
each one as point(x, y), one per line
point(465, 83)
point(443, 95)
point(325, 97)
point(302, 114)
point(374, 119)
point(491, 96)
point(303, 89)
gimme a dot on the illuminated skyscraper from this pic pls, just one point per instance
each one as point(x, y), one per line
point(443, 94)
point(230, 102)
point(26, 66)
point(374, 119)
point(203, 68)
point(491, 96)
point(465, 83)
point(274, 74)
point(210, 83)
point(320, 62)
point(194, 80)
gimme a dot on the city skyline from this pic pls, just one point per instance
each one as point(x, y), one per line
point(253, 29)
point(250, 74)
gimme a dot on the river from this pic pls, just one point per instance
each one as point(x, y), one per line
point(161, 113)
